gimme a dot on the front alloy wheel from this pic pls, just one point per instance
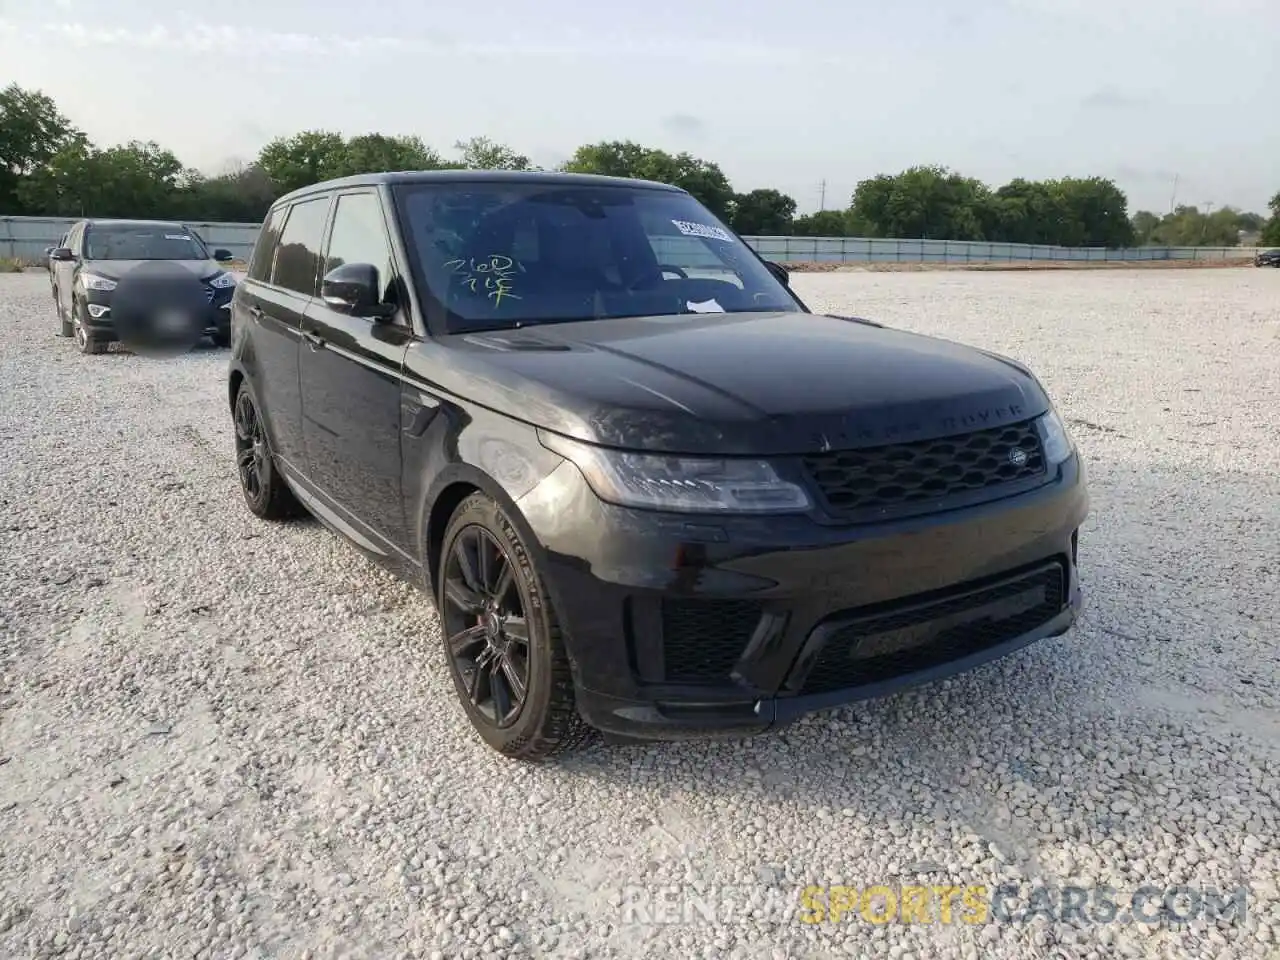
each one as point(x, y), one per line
point(84, 341)
point(502, 639)
point(488, 635)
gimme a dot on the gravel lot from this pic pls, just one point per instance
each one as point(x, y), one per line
point(222, 738)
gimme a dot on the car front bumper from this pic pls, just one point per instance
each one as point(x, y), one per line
point(216, 314)
point(692, 627)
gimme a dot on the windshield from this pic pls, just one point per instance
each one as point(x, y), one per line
point(500, 255)
point(142, 242)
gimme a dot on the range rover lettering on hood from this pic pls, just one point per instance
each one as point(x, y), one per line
point(862, 433)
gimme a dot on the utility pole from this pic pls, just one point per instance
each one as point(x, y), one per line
point(822, 195)
point(1173, 197)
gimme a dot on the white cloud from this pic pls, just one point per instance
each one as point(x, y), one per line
point(238, 41)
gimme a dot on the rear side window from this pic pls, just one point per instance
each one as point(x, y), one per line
point(264, 250)
point(297, 260)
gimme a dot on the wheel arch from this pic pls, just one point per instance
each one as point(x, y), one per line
point(451, 488)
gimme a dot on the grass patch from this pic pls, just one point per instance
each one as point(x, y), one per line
point(10, 265)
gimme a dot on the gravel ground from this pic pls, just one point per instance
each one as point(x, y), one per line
point(222, 738)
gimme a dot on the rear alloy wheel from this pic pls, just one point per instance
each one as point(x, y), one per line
point(84, 340)
point(265, 491)
point(502, 640)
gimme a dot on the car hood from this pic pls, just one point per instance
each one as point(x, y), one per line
point(756, 383)
point(115, 269)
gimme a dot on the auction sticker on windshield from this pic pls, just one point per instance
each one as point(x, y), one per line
point(703, 230)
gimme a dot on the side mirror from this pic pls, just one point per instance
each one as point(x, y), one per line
point(62, 253)
point(223, 256)
point(782, 274)
point(353, 288)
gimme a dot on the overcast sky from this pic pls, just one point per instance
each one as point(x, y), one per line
point(782, 94)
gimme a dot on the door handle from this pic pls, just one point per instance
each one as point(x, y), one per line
point(314, 340)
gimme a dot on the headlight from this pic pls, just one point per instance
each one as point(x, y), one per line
point(1053, 435)
point(223, 281)
point(92, 281)
point(682, 484)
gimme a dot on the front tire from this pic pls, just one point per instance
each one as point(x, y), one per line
point(502, 641)
point(265, 491)
point(80, 332)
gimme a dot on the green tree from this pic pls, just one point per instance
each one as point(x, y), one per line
point(376, 153)
point(1095, 213)
point(763, 213)
point(1188, 226)
point(481, 153)
point(1144, 227)
point(134, 180)
point(824, 223)
point(1026, 211)
point(32, 133)
point(925, 202)
point(303, 159)
point(1250, 222)
point(624, 158)
point(1271, 232)
point(242, 195)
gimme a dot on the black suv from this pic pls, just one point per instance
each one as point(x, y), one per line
point(649, 490)
point(103, 264)
point(1267, 258)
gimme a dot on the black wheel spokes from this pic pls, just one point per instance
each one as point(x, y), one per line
point(488, 632)
point(245, 420)
point(249, 446)
point(503, 582)
point(248, 465)
point(469, 643)
point(463, 586)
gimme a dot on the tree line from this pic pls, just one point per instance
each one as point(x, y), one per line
point(48, 167)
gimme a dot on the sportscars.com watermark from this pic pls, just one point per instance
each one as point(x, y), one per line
point(974, 904)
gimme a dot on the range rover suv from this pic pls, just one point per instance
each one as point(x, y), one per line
point(651, 493)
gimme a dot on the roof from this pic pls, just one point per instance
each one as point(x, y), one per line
point(478, 176)
point(115, 222)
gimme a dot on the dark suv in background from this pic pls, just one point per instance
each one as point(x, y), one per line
point(97, 256)
point(649, 490)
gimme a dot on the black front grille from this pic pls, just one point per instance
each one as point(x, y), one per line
point(702, 639)
point(926, 471)
point(915, 637)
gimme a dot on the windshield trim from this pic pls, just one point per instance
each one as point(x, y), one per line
point(436, 318)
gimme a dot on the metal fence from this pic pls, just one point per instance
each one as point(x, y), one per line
point(25, 238)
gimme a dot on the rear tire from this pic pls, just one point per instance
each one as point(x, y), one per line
point(65, 327)
point(499, 632)
point(265, 492)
